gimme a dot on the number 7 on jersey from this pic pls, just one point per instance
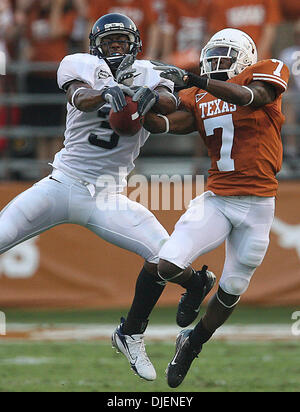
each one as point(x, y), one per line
point(226, 163)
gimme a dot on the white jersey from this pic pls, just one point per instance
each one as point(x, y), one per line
point(91, 148)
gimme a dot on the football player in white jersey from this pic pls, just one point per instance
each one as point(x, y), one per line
point(77, 192)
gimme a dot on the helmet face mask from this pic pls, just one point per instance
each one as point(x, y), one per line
point(113, 47)
point(219, 60)
point(114, 24)
point(227, 54)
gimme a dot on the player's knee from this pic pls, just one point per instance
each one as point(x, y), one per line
point(234, 285)
point(168, 270)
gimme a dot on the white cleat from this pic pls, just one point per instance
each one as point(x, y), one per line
point(133, 347)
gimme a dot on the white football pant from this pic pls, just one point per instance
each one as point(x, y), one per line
point(244, 222)
point(113, 217)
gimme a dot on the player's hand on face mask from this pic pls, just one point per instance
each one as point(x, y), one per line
point(173, 73)
point(146, 99)
point(125, 71)
point(115, 97)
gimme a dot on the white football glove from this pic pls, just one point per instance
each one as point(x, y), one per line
point(125, 71)
point(143, 95)
point(145, 98)
point(115, 97)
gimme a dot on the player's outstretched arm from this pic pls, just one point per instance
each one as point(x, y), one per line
point(179, 122)
point(160, 100)
point(167, 102)
point(256, 94)
point(86, 99)
point(83, 97)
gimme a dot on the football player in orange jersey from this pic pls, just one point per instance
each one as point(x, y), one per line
point(235, 105)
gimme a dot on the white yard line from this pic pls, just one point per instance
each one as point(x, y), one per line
point(27, 360)
point(76, 332)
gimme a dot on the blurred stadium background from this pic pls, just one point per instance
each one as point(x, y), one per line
point(63, 293)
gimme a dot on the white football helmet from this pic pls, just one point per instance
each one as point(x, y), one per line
point(230, 44)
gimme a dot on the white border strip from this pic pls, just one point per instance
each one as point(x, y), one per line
point(271, 76)
point(271, 80)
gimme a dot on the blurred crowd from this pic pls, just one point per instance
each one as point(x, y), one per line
point(172, 31)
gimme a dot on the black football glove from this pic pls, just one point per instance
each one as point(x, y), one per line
point(146, 98)
point(173, 73)
point(181, 78)
point(115, 97)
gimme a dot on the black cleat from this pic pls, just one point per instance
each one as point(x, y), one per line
point(189, 305)
point(182, 360)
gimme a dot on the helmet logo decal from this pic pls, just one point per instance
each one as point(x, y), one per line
point(112, 25)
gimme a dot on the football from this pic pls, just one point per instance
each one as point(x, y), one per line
point(126, 122)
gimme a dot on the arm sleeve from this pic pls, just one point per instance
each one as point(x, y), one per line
point(274, 72)
point(84, 68)
point(74, 68)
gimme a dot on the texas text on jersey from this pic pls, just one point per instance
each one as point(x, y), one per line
point(244, 142)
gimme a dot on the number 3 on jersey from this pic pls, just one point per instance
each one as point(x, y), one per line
point(226, 163)
point(104, 124)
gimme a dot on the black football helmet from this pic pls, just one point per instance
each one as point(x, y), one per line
point(114, 23)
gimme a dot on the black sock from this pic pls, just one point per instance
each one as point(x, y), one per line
point(147, 293)
point(195, 282)
point(199, 336)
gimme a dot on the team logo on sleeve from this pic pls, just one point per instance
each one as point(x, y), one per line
point(102, 74)
point(200, 96)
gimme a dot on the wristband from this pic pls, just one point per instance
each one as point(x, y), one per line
point(74, 95)
point(167, 123)
point(196, 81)
point(251, 98)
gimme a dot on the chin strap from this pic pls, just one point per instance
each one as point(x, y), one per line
point(114, 62)
point(223, 76)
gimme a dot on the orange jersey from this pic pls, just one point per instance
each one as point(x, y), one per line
point(249, 16)
point(244, 143)
point(188, 18)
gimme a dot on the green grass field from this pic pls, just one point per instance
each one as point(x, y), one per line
point(93, 366)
